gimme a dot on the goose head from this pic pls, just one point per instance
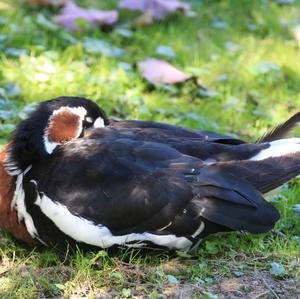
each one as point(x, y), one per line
point(52, 124)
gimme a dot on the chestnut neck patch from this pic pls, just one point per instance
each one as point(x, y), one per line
point(64, 126)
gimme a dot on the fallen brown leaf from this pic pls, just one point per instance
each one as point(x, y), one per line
point(47, 2)
point(158, 71)
point(159, 9)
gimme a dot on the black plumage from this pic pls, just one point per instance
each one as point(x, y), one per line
point(136, 178)
point(137, 186)
point(282, 130)
point(27, 140)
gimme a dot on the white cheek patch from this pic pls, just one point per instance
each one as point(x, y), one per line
point(99, 123)
point(80, 111)
point(89, 119)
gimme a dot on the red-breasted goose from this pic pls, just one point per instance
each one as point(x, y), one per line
point(69, 175)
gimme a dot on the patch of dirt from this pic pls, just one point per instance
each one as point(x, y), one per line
point(258, 285)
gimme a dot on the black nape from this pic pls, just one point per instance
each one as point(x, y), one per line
point(27, 141)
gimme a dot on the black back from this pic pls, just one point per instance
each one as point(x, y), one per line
point(132, 185)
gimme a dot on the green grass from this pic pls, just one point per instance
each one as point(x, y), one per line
point(252, 65)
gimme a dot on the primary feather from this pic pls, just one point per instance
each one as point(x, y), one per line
point(282, 130)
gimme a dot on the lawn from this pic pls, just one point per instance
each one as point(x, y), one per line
point(244, 53)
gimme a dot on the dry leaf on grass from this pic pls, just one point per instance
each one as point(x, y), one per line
point(70, 13)
point(144, 19)
point(158, 9)
point(158, 71)
point(47, 2)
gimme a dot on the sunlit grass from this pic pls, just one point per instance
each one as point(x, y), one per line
point(251, 63)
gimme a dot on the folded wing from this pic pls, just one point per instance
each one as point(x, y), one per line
point(137, 187)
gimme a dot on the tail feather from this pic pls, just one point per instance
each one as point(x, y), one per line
point(265, 175)
point(282, 130)
point(225, 198)
point(239, 217)
point(232, 197)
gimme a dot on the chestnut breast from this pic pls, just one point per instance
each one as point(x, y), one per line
point(8, 216)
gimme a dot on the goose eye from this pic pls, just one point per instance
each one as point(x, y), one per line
point(87, 122)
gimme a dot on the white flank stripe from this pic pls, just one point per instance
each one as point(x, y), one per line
point(83, 230)
point(18, 202)
point(279, 148)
